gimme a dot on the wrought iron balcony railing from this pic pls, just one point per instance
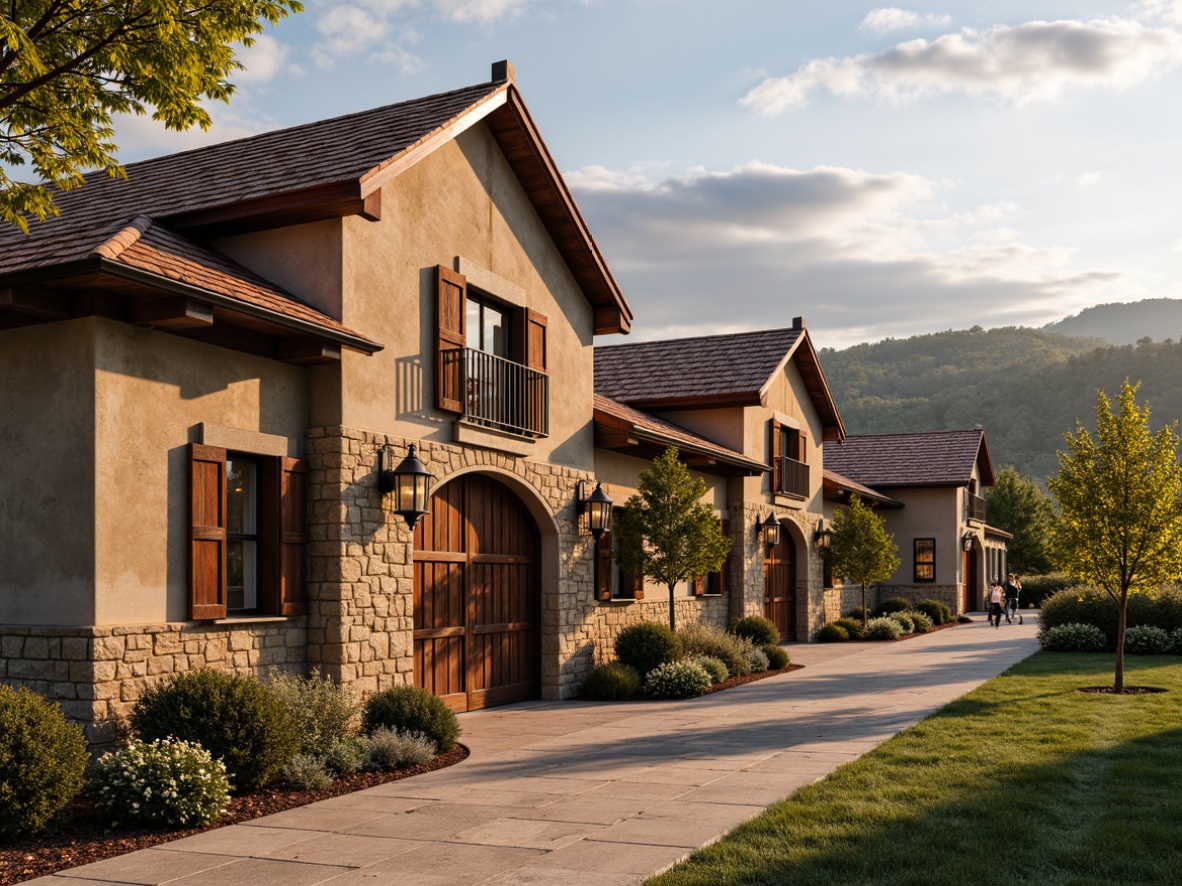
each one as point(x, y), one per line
point(501, 394)
point(794, 477)
point(976, 507)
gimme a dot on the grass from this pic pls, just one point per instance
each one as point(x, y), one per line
point(1021, 781)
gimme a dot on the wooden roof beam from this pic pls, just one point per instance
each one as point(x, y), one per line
point(37, 302)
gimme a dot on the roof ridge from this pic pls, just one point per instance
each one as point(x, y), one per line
point(126, 237)
point(660, 341)
point(915, 433)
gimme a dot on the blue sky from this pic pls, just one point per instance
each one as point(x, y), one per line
point(880, 170)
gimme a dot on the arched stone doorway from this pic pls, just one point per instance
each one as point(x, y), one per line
point(477, 600)
point(779, 585)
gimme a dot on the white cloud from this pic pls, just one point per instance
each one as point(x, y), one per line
point(1087, 179)
point(1021, 63)
point(891, 18)
point(262, 61)
point(1167, 10)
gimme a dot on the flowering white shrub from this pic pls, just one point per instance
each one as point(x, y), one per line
point(882, 629)
point(166, 781)
point(1074, 637)
point(1147, 640)
point(390, 749)
point(677, 679)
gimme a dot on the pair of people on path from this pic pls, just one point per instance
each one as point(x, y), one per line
point(1004, 600)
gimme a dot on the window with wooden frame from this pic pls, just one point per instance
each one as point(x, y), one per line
point(925, 559)
point(790, 473)
point(613, 581)
point(248, 534)
point(715, 583)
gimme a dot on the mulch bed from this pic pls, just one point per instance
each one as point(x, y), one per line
point(84, 836)
point(1128, 690)
point(731, 682)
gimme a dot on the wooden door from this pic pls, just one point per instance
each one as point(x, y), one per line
point(973, 596)
point(477, 596)
point(779, 586)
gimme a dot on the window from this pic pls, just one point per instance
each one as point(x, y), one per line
point(488, 327)
point(925, 559)
point(247, 533)
point(612, 581)
point(790, 474)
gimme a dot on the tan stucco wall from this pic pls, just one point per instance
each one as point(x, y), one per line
point(47, 483)
point(927, 513)
point(152, 389)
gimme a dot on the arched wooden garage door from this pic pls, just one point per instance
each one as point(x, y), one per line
point(477, 596)
point(779, 586)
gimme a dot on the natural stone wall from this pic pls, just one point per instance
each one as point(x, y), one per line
point(611, 618)
point(840, 600)
point(949, 595)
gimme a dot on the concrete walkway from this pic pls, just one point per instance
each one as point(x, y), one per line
point(593, 794)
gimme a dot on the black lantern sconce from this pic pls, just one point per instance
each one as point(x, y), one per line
point(822, 538)
point(967, 543)
point(598, 508)
point(410, 482)
point(771, 530)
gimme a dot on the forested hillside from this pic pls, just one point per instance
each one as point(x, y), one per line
point(1025, 386)
point(1126, 324)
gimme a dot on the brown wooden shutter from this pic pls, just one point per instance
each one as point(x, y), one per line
point(699, 585)
point(631, 584)
point(207, 532)
point(451, 304)
point(802, 447)
point(535, 340)
point(603, 567)
point(293, 537)
point(777, 466)
point(724, 570)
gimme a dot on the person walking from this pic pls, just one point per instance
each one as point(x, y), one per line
point(996, 596)
point(1012, 589)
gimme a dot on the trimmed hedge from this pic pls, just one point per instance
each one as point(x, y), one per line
point(1081, 605)
point(892, 604)
point(832, 633)
point(777, 658)
point(853, 627)
point(409, 709)
point(757, 629)
point(1038, 588)
point(938, 613)
point(647, 645)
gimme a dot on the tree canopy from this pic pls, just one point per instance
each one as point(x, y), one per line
point(666, 531)
point(68, 66)
point(860, 548)
point(1017, 505)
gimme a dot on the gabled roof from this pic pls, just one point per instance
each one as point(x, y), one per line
point(839, 488)
point(621, 428)
point(932, 458)
point(713, 370)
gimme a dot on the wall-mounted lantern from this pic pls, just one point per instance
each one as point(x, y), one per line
point(822, 538)
point(967, 542)
point(771, 530)
point(410, 481)
point(598, 508)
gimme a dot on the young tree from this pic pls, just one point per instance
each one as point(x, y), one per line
point(1017, 505)
point(666, 532)
point(66, 66)
point(860, 549)
point(1119, 498)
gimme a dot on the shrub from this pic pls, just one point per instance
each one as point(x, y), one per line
point(882, 629)
point(346, 755)
point(1176, 639)
point(852, 626)
point(758, 660)
point(757, 629)
point(166, 781)
point(777, 658)
point(731, 649)
point(903, 619)
point(938, 613)
point(411, 709)
point(233, 717)
point(389, 749)
point(920, 623)
point(646, 645)
point(963, 620)
point(322, 712)
point(677, 679)
point(42, 761)
point(613, 681)
point(715, 668)
point(832, 633)
point(1037, 588)
point(308, 772)
point(892, 604)
point(858, 613)
point(1147, 640)
point(1074, 638)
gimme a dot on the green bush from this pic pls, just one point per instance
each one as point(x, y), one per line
point(677, 679)
point(613, 681)
point(715, 668)
point(777, 658)
point(920, 623)
point(758, 660)
point(882, 629)
point(322, 712)
point(938, 613)
point(1074, 638)
point(852, 626)
point(963, 620)
point(731, 649)
point(1176, 640)
point(42, 761)
point(1038, 588)
point(646, 645)
point(167, 782)
point(308, 773)
point(832, 633)
point(1147, 640)
point(1161, 608)
point(892, 604)
point(906, 625)
point(757, 629)
point(390, 749)
point(411, 709)
point(859, 613)
point(233, 717)
point(346, 755)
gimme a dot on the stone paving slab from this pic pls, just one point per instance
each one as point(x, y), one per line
point(579, 793)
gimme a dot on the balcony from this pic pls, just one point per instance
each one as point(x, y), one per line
point(499, 393)
point(794, 478)
point(976, 507)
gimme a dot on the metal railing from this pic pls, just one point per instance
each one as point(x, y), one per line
point(794, 477)
point(501, 394)
point(976, 507)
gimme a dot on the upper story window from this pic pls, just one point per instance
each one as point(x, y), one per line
point(489, 328)
point(790, 473)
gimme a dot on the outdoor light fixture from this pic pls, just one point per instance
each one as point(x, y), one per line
point(967, 543)
point(598, 508)
point(822, 537)
point(410, 482)
point(771, 530)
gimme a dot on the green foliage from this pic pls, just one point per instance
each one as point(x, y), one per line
point(1038, 587)
point(758, 660)
point(1176, 640)
point(757, 629)
point(938, 613)
point(963, 620)
point(233, 717)
point(166, 782)
point(614, 681)
point(68, 68)
point(730, 649)
point(1147, 640)
point(389, 749)
point(852, 626)
point(903, 620)
point(1073, 638)
point(892, 604)
point(882, 629)
point(308, 772)
point(777, 657)
point(646, 645)
point(411, 709)
point(42, 761)
point(346, 755)
point(1017, 505)
point(920, 623)
point(835, 633)
point(861, 613)
point(666, 531)
point(712, 666)
point(861, 550)
point(322, 712)
point(1160, 609)
point(677, 679)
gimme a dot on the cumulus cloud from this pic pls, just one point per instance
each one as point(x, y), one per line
point(1087, 179)
point(261, 62)
point(891, 18)
point(1020, 63)
point(859, 253)
point(1166, 10)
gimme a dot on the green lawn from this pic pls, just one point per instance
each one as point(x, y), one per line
point(1023, 781)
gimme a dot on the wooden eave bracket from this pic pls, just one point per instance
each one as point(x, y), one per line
point(306, 351)
point(171, 312)
point(37, 302)
point(335, 200)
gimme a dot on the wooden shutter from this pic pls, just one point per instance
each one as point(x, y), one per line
point(699, 585)
point(207, 532)
point(451, 307)
point(603, 567)
point(535, 339)
point(293, 537)
point(718, 580)
point(631, 584)
point(777, 465)
point(802, 447)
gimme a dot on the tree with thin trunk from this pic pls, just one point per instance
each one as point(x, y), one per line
point(1017, 505)
point(1119, 501)
point(68, 66)
point(666, 531)
point(860, 549)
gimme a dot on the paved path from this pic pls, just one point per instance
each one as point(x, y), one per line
point(592, 794)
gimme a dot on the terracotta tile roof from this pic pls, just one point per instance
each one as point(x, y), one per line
point(934, 458)
point(840, 487)
point(659, 430)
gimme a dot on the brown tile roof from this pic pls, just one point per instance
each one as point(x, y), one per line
point(839, 488)
point(933, 458)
